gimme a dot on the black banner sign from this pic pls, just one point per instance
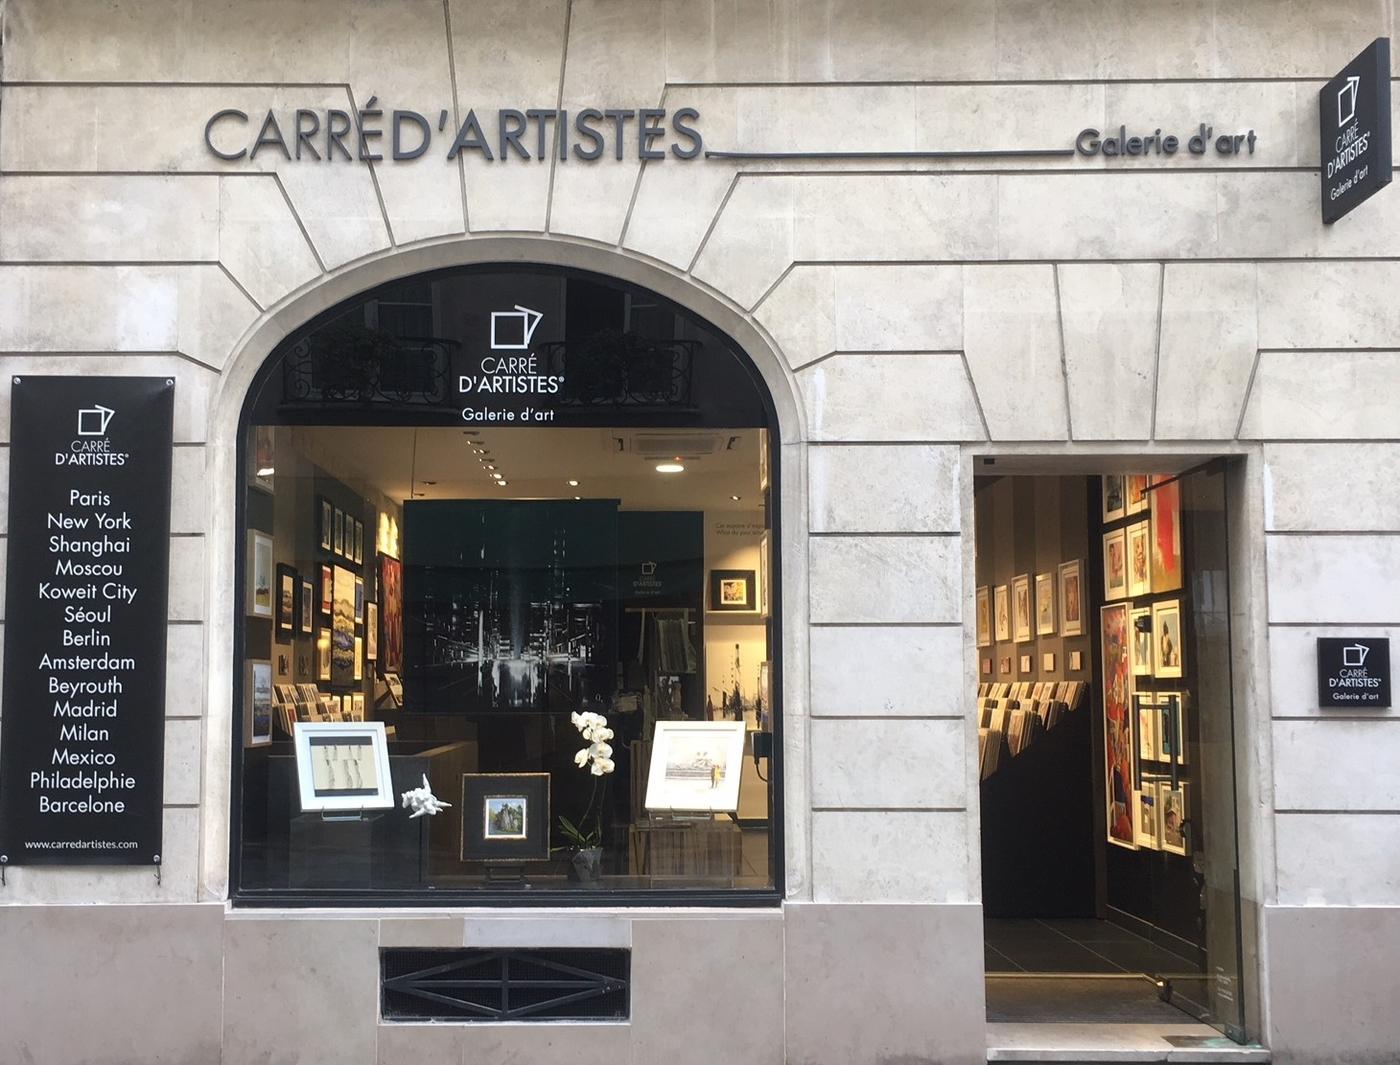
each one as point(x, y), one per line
point(83, 723)
point(1354, 113)
point(1353, 673)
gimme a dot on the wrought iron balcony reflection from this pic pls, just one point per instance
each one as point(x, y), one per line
point(616, 369)
point(356, 366)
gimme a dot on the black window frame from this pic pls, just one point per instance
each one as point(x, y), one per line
point(513, 897)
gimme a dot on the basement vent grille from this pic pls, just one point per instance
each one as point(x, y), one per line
point(505, 985)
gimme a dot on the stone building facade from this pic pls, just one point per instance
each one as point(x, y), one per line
point(911, 315)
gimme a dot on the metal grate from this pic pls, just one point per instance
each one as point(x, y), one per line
point(505, 985)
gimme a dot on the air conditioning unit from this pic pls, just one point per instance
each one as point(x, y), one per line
point(651, 444)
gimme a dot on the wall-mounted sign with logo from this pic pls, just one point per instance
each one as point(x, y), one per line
point(1354, 114)
point(1353, 673)
point(508, 381)
point(82, 733)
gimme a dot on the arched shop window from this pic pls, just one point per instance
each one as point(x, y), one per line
point(508, 611)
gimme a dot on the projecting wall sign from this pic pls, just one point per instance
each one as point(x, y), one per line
point(83, 726)
point(1353, 673)
point(1354, 116)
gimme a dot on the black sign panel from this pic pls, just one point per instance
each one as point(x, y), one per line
point(1353, 674)
point(83, 725)
point(1354, 113)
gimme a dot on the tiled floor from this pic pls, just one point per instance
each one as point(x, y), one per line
point(1080, 1043)
point(1074, 945)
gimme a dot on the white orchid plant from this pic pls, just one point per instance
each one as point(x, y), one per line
point(597, 759)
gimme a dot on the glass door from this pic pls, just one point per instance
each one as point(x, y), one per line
point(1194, 879)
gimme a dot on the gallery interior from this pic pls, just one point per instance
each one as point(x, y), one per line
point(1109, 857)
point(442, 604)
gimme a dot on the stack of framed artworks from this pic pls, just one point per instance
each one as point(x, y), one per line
point(1143, 642)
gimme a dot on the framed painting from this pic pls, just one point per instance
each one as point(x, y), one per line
point(1137, 493)
point(505, 817)
point(1166, 535)
point(338, 533)
point(1141, 621)
point(257, 703)
point(1115, 497)
point(1021, 608)
point(327, 589)
point(306, 608)
point(326, 510)
point(286, 614)
point(343, 766)
point(1045, 604)
point(323, 655)
point(1115, 564)
point(1171, 727)
point(1071, 599)
point(1001, 612)
point(1119, 745)
point(371, 632)
point(260, 575)
point(1149, 829)
point(343, 628)
point(359, 600)
point(1147, 728)
point(984, 617)
point(1168, 649)
point(1139, 549)
point(390, 614)
point(1174, 810)
point(696, 766)
point(734, 590)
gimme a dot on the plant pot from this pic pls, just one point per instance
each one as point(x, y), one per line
point(586, 865)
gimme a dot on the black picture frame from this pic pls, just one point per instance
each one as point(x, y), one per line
point(722, 584)
point(306, 608)
point(326, 523)
point(480, 791)
point(338, 545)
point(284, 602)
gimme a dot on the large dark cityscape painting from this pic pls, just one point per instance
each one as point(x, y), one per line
point(509, 605)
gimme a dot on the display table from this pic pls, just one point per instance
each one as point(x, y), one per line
point(377, 849)
point(687, 848)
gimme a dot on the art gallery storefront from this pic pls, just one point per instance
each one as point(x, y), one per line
point(601, 582)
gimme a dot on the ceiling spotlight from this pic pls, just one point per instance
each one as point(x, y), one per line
point(501, 484)
point(488, 466)
point(669, 467)
point(573, 484)
point(430, 483)
point(576, 498)
point(498, 476)
point(736, 498)
point(266, 471)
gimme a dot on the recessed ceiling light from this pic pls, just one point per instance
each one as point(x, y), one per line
point(578, 497)
point(573, 484)
point(736, 498)
point(498, 476)
point(266, 471)
point(501, 484)
point(430, 483)
point(669, 467)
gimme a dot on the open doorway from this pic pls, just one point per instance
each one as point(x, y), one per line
point(1108, 839)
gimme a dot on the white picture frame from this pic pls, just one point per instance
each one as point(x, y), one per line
point(984, 617)
point(259, 695)
point(343, 766)
point(1045, 614)
point(696, 766)
point(1022, 609)
point(1071, 599)
point(1168, 643)
point(261, 577)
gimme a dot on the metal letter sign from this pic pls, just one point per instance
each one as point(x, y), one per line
point(83, 724)
point(1354, 113)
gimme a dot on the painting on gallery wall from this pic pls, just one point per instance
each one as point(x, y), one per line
point(1119, 745)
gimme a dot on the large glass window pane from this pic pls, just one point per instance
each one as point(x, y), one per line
point(557, 616)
